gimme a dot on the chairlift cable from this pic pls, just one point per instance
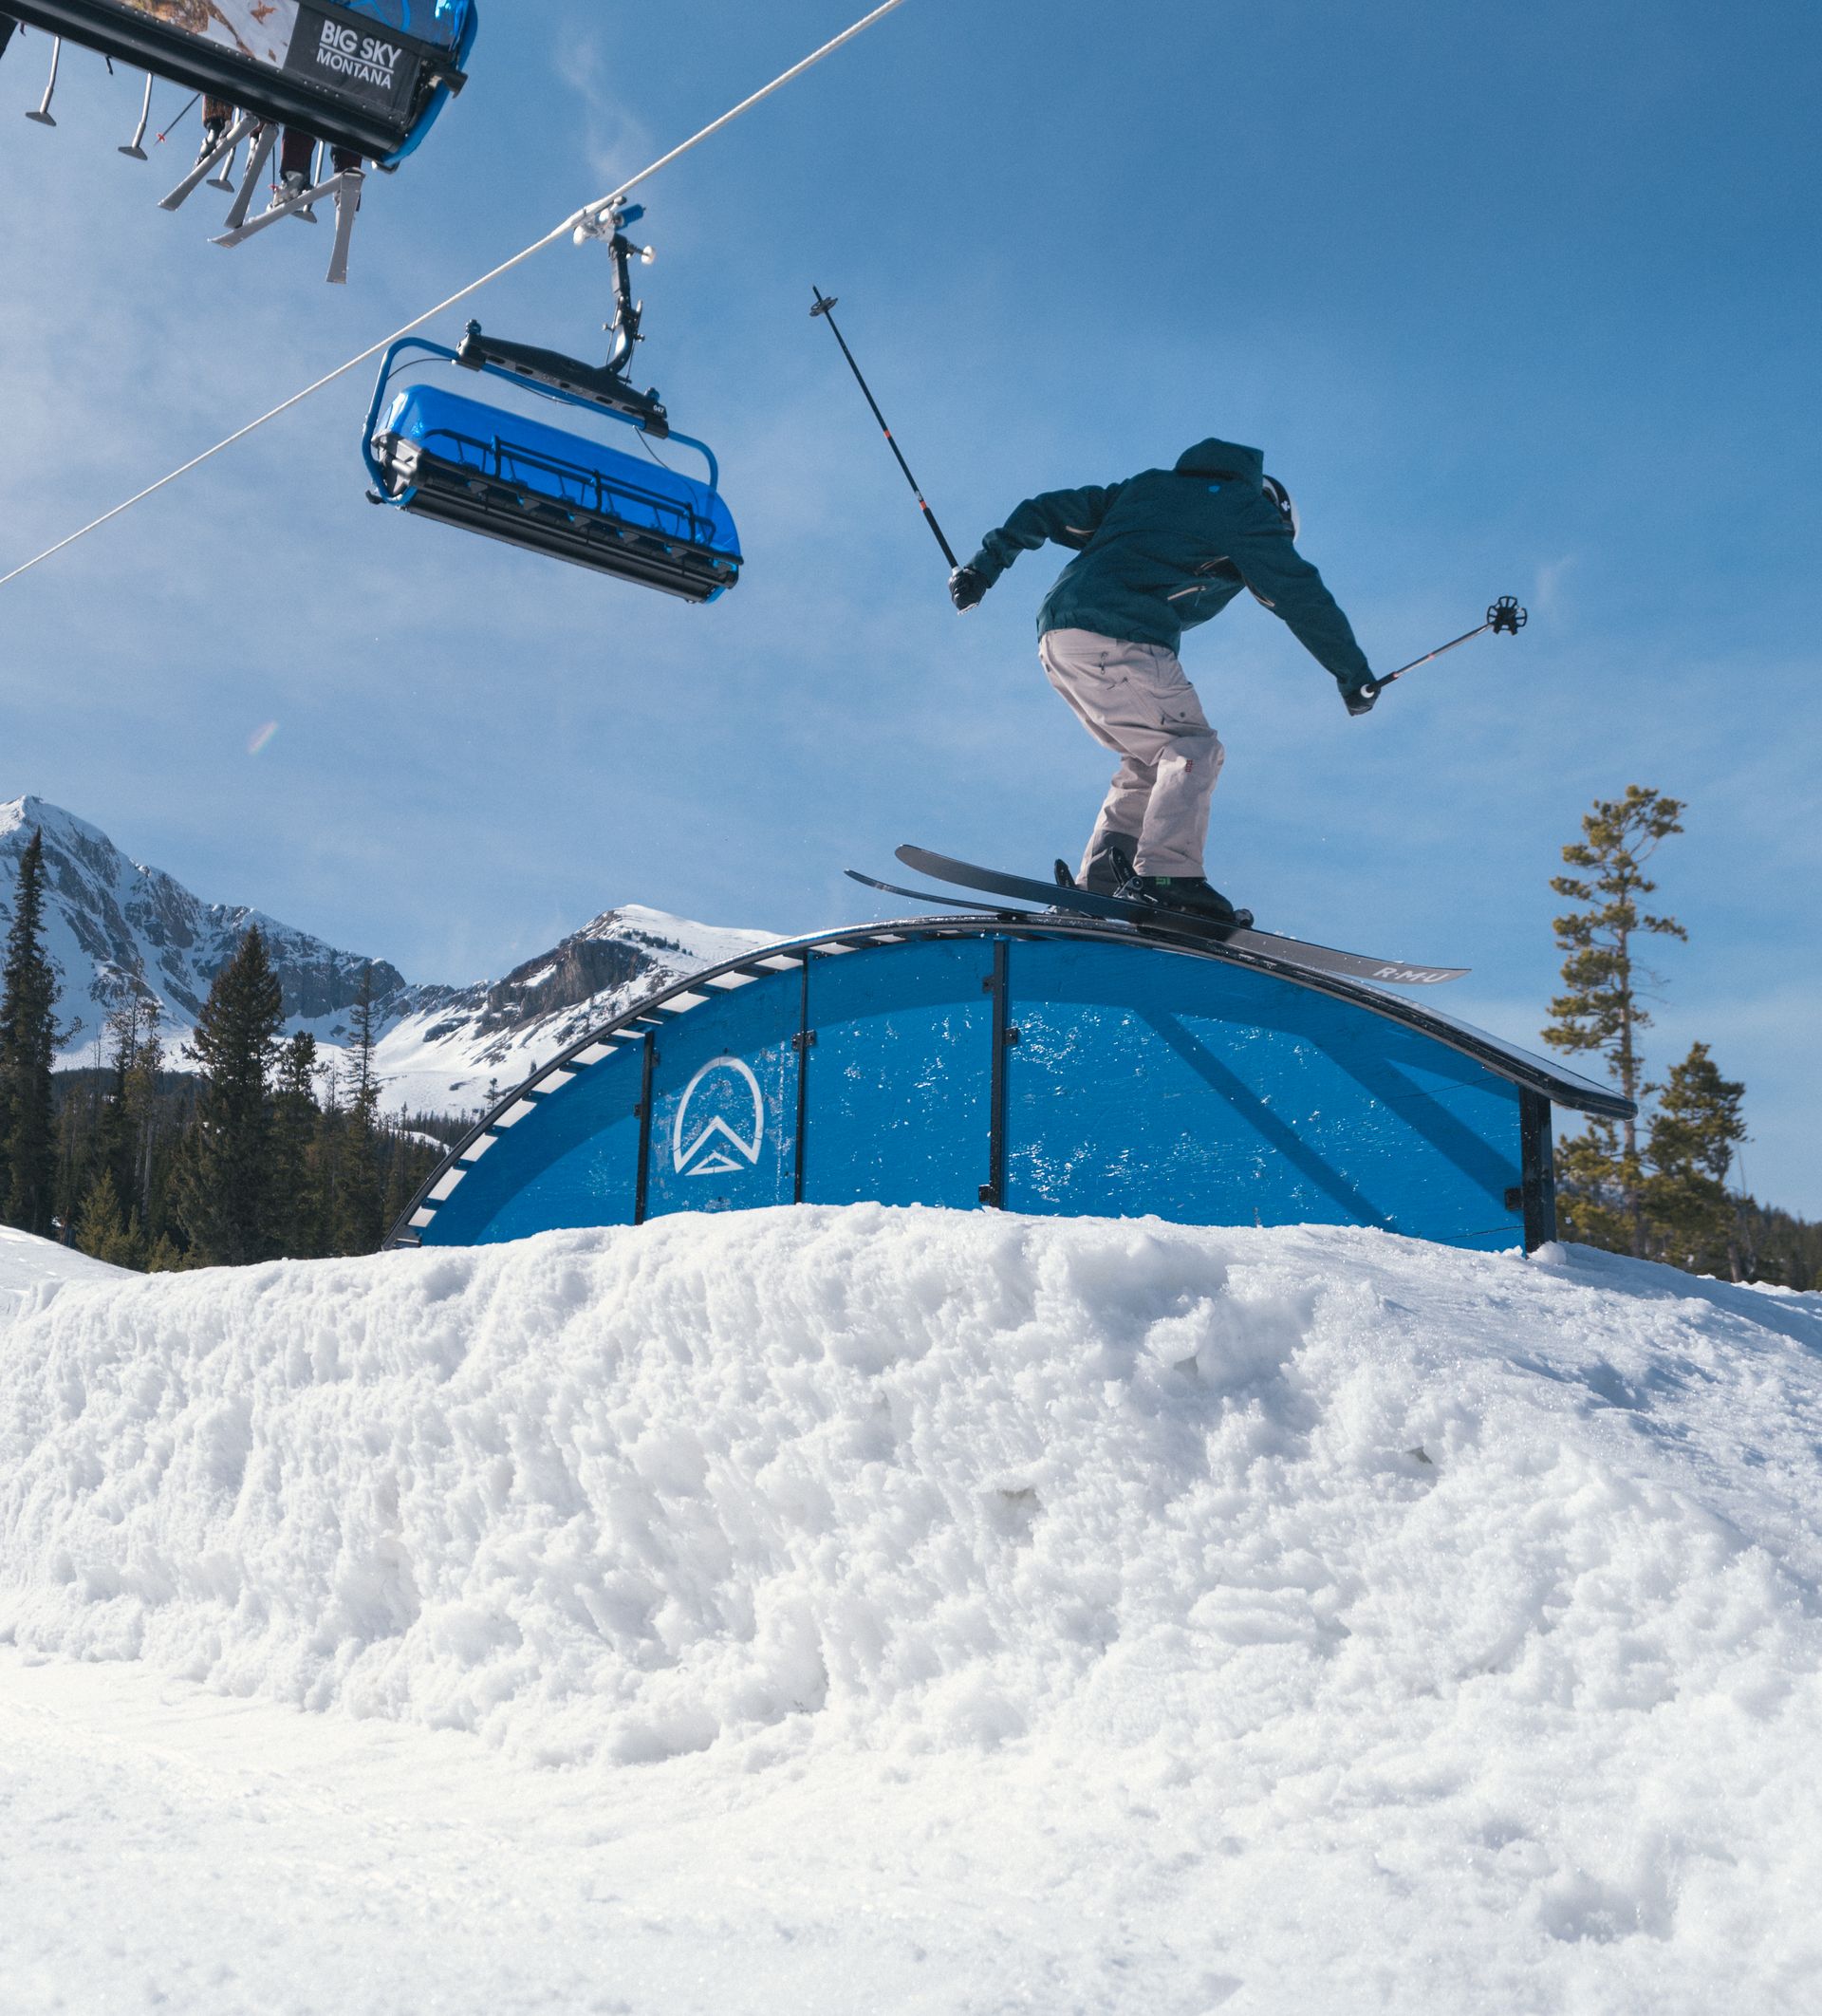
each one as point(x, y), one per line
point(586, 220)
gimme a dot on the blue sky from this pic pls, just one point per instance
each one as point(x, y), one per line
point(1518, 299)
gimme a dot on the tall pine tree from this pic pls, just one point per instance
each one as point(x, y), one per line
point(1602, 1008)
point(360, 1224)
point(1694, 1132)
point(27, 1046)
point(224, 1198)
point(296, 1195)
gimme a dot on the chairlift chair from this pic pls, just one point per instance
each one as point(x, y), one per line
point(445, 455)
point(367, 77)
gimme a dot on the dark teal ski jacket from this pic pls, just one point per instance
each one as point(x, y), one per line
point(1167, 550)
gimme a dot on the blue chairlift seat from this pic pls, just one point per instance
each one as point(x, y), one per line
point(443, 456)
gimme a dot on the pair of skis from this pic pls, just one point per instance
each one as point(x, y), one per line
point(1151, 919)
point(343, 189)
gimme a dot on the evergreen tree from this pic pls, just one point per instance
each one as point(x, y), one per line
point(27, 1046)
point(359, 1200)
point(141, 1113)
point(297, 1204)
point(405, 1170)
point(224, 1186)
point(1694, 1132)
point(1773, 1247)
point(1602, 1008)
point(102, 1229)
point(115, 1147)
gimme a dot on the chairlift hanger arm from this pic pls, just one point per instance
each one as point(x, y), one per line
point(604, 385)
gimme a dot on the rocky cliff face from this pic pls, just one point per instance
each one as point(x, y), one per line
point(115, 926)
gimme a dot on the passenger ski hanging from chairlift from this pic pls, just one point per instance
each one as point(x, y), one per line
point(366, 79)
point(444, 456)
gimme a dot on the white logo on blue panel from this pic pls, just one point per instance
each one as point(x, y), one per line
point(718, 1148)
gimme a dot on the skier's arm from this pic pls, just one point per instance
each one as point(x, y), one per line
point(1071, 517)
point(1286, 583)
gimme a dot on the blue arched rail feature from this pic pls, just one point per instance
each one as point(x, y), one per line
point(1048, 1067)
point(372, 76)
point(445, 455)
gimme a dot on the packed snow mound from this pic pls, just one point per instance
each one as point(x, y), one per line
point(936, 1479)
point(30, 1267)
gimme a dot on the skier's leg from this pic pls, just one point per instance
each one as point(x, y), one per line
point(217, 114)
point(1167, 725)
point(1175, 837)
point(7, 26)
point(1134, 698)
point(1113, 844)
point(295, 155)
point(1081, 665)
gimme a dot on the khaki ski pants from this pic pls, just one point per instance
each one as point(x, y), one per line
point(1134, 698)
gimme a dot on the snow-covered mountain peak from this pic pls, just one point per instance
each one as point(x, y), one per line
point(115, 926)
point(462, 1051)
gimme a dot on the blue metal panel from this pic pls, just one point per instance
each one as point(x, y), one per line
point(572, 1161)
point(897, 1107)
point(724, 1101)
point(1143, 1081)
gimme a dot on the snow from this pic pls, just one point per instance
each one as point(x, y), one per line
point(113, 926)
point(30, 1267)
point(858, 1608)
point(446, 1057)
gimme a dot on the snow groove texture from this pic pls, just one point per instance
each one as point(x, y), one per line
point(1424, 1556)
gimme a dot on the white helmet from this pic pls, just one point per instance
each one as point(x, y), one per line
point(1276, 494)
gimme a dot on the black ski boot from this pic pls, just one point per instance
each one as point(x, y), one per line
point(1190, 895)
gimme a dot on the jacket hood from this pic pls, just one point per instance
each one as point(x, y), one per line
point(1222, 459)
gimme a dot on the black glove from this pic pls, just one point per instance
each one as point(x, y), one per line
point(967, 584)
point(1360, 699)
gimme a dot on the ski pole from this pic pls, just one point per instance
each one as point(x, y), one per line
point(179, 120)
point(823, 303)
point(1505, 615)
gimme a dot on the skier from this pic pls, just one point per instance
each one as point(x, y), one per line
point(1156, 555)
point(296, 150)
point(217, 115)
point(294, 159)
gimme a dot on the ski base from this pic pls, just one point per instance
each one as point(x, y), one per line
point(1154, 920)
